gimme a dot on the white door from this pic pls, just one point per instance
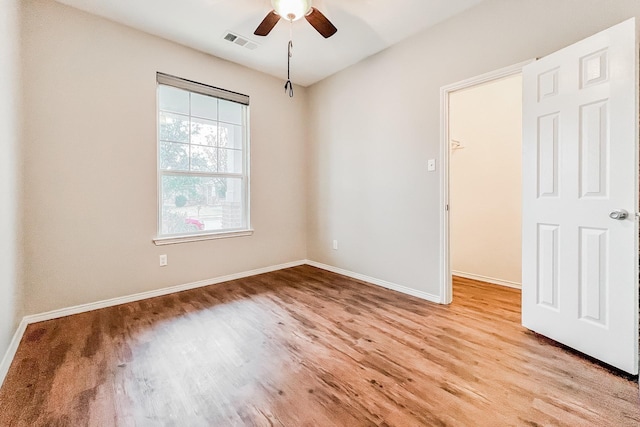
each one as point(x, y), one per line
point(580, 173)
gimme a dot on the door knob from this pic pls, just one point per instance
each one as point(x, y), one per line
point(619, 214)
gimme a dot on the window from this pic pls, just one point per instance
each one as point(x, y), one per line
point(203, 161)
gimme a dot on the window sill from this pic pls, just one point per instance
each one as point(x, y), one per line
point(161, 241)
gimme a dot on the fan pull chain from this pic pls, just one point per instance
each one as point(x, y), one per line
point(288, 86)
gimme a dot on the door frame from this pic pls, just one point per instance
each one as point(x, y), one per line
point(446, 287)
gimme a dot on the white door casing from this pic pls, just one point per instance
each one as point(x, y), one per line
point(446, 285)
point(580, 163)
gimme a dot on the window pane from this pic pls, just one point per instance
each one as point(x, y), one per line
point(201, 137)
point(173, 99)
point(204, 106)
point(204, 159)
point(230, 112)
point(192, 204)
point(229, 161)
point(231, 136)
point(174, 156)
point(204, 132)
point(174, 127)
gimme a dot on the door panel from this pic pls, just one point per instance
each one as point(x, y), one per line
point(594, 149)
point(580, 163)
point(594, 278)
point(548, 266)
point(548, 155)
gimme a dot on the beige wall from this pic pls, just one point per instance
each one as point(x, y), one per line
point(10, 288)
point(89, 150)
point(375, 124)
point(485, 179)
point(90, 162)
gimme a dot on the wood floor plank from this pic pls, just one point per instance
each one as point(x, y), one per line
point(306, 347)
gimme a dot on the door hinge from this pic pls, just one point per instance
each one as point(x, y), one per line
point(446, 208)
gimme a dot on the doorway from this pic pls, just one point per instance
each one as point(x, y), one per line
point(475, 208)
point(485, 182)
point(579, 195)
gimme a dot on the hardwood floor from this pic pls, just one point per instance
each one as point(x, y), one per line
point(305, 347)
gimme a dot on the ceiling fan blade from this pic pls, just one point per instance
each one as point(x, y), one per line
point(267, 24)
point(321, 23)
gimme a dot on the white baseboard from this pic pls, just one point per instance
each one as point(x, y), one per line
point(11, 351)
point(54, 314)
point(492, 280)
point(383, 283)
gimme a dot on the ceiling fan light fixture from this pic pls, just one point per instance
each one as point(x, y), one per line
point(291, 10)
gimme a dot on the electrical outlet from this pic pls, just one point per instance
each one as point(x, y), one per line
point(335, 245)
point(163, 261)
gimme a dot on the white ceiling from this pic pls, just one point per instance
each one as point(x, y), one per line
point(364, 28)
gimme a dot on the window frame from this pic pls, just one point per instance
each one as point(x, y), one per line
point(220, 94)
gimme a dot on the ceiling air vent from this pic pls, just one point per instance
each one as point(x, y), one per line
point(240, 41)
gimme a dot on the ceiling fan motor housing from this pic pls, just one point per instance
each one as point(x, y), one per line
point(291, 10)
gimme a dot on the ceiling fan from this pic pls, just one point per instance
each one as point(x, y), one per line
point(292, 10)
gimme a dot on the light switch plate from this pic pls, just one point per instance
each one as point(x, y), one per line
point(431, 165)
